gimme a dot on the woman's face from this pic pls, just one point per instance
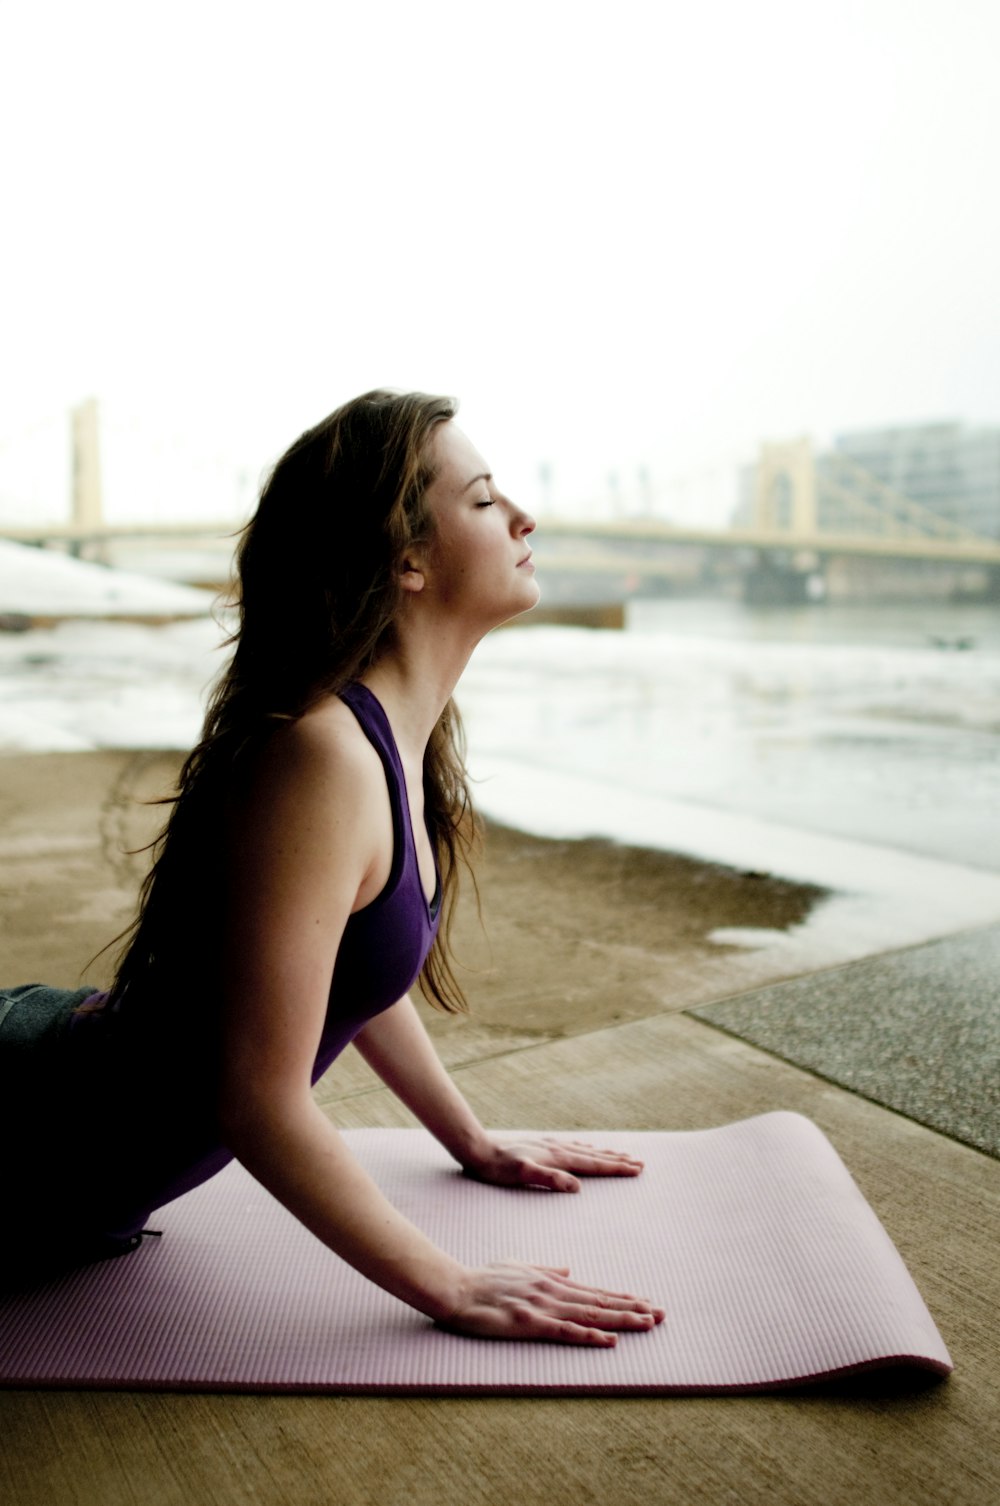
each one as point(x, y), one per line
point(477, 561)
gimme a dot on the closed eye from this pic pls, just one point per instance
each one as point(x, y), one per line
point(485, 502)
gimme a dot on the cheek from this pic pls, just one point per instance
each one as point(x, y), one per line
point(461, 552)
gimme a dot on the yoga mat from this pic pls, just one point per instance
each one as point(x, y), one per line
point(772, 1267)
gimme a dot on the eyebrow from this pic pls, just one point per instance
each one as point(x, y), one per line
point(483, 476)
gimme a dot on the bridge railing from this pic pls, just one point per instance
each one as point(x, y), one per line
point(852, 499)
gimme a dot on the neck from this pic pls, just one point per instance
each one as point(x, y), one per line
point(414, 680)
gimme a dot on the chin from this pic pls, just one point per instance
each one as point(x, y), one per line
point(522, 611)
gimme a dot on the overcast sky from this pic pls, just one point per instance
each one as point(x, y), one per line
point(626, 235)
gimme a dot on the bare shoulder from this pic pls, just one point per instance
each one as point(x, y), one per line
point(317, 783)
point(322, 751)
point(304, 837)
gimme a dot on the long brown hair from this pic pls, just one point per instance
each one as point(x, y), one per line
point(317, 595)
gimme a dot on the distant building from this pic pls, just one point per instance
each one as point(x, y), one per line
point(946, 467)
point(949, 468)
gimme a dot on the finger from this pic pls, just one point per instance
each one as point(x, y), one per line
point(595, 1315)
point(532, 1174)
point(609, 1162)
point(598, 1166)
point(565, 1289)
point(526, 1321)
point(589, 1160)
point(576, 1291)
point(588, 1297)
point(559, 1331)
point(566, 1331)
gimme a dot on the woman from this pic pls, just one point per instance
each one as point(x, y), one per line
point(305, 878)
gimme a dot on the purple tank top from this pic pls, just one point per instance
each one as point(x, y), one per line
point(384, 945)
point(173, 1140)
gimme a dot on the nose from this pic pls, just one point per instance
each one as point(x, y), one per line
point(523, 523)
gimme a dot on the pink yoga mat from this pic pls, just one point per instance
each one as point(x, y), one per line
point(772, 1267)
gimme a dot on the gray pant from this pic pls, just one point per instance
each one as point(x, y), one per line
point(46, 1228)
point(33, 1017)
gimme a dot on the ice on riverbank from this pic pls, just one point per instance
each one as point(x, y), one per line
point(879, 898)
point(43, 584)
point(871, 772)
point(83, 685)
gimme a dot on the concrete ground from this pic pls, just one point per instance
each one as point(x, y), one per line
point(917, 1030)
point(566, 1036)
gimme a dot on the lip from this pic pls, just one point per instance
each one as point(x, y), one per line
point(521, 564)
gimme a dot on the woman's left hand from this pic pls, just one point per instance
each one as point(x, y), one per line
point(550, 1162)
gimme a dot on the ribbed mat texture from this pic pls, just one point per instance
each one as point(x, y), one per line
point(770, 1263)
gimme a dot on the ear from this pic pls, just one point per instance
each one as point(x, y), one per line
point(411, 577)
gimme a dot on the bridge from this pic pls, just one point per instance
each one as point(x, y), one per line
point(806, 511)
point(633, 543)
point(821, 505)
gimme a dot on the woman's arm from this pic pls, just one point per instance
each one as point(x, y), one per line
point(303, 844)
point(302, 1160)
point(397, 1047)
point(306, 845)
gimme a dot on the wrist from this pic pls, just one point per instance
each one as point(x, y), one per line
point(476, 1154)
point(442, 1291)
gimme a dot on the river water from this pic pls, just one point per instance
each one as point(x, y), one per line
point(870, 724)
point(876, 724)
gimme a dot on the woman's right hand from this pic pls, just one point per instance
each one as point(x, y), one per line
point(510, 1300)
